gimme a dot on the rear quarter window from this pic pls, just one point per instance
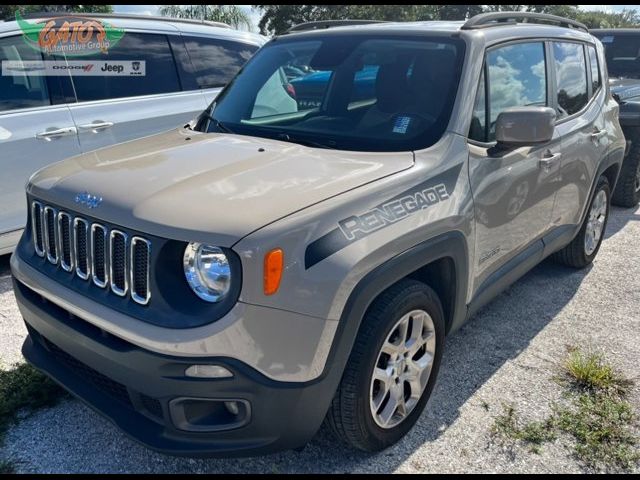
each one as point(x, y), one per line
point(596, 80)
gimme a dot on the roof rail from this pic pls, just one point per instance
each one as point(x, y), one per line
point(322, 24)
point(492, 19)
point(128, 16)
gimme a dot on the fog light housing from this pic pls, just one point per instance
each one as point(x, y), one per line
point(209, 414)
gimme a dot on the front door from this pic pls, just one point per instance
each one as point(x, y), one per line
point(513, 190)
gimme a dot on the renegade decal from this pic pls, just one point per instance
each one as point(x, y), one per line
point(353, 228)
point(393, 211)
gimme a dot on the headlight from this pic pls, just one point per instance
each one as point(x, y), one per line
point(207, 271)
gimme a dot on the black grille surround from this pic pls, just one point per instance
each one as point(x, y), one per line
point(158, 295)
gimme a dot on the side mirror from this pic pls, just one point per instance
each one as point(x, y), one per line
point(525, 125)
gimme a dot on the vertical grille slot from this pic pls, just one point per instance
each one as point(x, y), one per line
point(118, 264)
point(81, 247)
point(139, 267)
point(99, 254)
point(65, 241)
point(36, 228)
point(50, 236)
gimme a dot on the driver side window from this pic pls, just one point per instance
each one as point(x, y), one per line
point(516, 77)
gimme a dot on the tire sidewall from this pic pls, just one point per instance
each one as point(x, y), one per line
point(603, 184)
point(416, 300)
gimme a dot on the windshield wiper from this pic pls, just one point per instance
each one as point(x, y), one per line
point(309, 143)
point(217, 123)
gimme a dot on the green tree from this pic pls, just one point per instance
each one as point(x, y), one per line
point(230, 14)
point(8, 11)
point(277, 19)
point(457, 12)
point(504, 8)
point(595, 19)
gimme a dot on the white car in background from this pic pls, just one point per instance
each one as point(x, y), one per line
point(44, 119)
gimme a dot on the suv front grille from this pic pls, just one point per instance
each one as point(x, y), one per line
point(92, 250)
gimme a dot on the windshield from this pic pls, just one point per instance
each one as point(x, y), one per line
point(373, 93)
point(622, 51)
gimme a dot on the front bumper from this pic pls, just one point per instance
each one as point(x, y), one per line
point(137, 389)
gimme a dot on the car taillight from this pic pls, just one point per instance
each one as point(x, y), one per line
point(290, 90)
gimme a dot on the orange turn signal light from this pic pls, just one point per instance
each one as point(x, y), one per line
point(273, 265)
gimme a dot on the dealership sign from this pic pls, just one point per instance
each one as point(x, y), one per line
point(93, 68)
point(71, 36)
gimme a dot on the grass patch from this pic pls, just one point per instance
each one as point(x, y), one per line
point(598, 418)
point(7, 467)
point(23, 388)
point(589, 372)
point(533, 434)
point(602, 428)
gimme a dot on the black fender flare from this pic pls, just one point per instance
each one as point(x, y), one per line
point(448, 245)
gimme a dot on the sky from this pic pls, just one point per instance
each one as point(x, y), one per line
point(153, 10)
point(255, 15)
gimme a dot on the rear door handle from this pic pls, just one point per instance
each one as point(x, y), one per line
point(598, 134)
point(548, 160)
point(56, 133)
point(96, 126)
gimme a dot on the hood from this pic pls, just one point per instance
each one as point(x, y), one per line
point(205, 186)
point(625, 88)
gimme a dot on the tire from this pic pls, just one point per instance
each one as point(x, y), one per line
point(577, 254)
point(350, 416)
point(627, 192)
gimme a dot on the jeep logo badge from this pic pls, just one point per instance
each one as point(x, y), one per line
point(91, 201)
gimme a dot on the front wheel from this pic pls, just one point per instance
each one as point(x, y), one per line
point(392, 368)
point(584, 248)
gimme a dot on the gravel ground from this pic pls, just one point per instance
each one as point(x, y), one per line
point(508, 353)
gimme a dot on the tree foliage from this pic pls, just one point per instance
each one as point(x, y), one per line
point(9, 11)
point(230, 14)
point(277, 19)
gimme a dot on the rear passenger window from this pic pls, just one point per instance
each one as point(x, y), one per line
point(571, 77)
point(212, 61)
point(517, 78)
point(595, 70)
point(160, 70)
point(18, 87)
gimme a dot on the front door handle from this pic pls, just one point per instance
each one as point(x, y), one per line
point(548, 160)
point(56, 133)
point(96, 126)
